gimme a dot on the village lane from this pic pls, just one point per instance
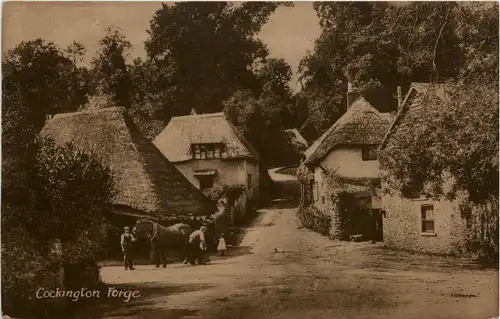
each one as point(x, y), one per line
point(309, 276)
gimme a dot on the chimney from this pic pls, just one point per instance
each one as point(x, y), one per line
point(400, 99)
point(48, 117)
point(193, 111)
point(352, 94)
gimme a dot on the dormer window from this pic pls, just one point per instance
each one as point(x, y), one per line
point(207, 150)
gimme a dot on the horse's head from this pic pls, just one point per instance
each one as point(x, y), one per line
point(143, 229)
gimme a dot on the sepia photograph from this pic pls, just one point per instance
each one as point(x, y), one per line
point(250, 159)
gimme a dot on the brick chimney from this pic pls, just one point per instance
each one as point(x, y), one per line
point(352, 94)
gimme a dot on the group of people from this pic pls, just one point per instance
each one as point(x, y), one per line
point(196, 247)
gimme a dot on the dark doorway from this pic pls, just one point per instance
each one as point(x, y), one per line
point(366, 222)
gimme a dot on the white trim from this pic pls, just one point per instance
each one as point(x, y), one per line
point(428, 234)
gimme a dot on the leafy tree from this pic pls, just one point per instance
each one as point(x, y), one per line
point(206, 51)
point(259, 121)
point(80, 87)
point(37, 79)
point(373, 45)
point(109, 69)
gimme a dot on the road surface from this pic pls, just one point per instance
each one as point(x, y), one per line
point(309, 276)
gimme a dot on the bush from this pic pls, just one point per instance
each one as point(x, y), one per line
point(66, 194)
point(481, 236)
point(24, 270)
point(314, 219)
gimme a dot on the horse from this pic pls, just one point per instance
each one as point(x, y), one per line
point(163, 238)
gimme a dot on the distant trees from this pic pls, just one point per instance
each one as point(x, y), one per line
point(110, 73)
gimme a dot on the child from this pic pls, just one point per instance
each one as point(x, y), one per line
point(221, 247)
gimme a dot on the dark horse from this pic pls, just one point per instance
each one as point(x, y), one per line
point(163, 238)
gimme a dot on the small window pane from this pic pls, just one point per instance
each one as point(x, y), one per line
point(427, 212)
point(196, 151)
point(203, 151)
point(217, 152)
point(210, 151)
point(428, 226)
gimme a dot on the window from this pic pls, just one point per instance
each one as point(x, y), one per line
point(208, 150)
point(249, 181)
point(369, 153)
point(206, 182)
point(196, 151)
point(203, 150)
point(427, 212)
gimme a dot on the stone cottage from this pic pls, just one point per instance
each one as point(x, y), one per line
point(208, 150)
point(147, 184)
point(344, 160)
point(418, 224)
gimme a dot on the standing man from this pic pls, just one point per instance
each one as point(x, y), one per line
point(126, 242)
point(197, 245)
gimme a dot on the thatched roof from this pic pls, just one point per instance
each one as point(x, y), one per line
point(176, 138)
point(362, 124)
point(145, 180)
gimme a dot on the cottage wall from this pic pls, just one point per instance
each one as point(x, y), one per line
point(252, 168)
point(402, 225)
point(348, 162)
point(229, 172)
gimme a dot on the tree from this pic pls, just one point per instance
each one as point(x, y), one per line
point(37, 79)
point(80, 87)
point(208, 51)
point(375, 45)
point(458, 136)
point(109, 69)
point(259, 120)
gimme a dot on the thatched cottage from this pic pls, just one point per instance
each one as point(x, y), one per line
point(148, 185)
point(418, 224)
point(210, 152)
point(343, 161)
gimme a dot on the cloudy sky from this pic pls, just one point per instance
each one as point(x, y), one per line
point(289, 34)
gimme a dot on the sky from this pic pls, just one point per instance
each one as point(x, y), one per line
point(289, 34)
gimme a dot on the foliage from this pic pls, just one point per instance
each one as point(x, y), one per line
point(37, 80)
point(223, 34)
point(312, 218)
point(24, 270)
point(110, 74)
point(76, 191)
point(454, 142)
point(376, 44)
point(260, 120)
point(229, 192)
point(482, 229)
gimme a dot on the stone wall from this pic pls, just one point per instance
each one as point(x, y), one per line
point(402, 225)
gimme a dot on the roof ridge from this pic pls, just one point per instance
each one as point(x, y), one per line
point(216, 114)
point(94, 111)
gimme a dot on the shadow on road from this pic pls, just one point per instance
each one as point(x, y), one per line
point(150, 303)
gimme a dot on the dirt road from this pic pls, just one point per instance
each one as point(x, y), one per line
point(309, 277)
